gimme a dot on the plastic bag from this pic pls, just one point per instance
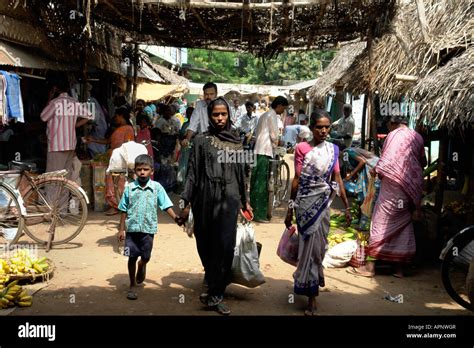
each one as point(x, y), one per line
point(340, 254)
point(189, 226)
point(245, 266)
point(288, 246)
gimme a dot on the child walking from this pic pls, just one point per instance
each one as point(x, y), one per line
point(139, 220)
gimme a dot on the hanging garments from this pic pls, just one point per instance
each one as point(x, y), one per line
point(13, 97)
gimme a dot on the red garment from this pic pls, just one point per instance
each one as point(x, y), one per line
point(144, 134)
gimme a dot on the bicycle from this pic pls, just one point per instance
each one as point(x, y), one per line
point(457, 269)
point(52, 211)
point(279, 180)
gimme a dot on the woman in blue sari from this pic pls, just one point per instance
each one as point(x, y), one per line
point(317, 181)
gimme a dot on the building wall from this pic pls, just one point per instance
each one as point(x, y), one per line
point(173, 55)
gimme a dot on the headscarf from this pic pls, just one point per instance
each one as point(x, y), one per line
point(225, 134)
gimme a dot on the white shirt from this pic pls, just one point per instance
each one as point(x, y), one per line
point(267, 133)
point(247, 124)
point(199, 119)
point(235, 114)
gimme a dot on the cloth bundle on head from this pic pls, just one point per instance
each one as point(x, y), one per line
point(225, 134)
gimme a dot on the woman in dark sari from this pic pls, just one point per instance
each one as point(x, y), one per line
point(316, 183)
point(216, 190)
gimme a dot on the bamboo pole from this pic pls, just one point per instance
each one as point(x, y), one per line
point(364, 123)
point(370, 96)
point(230, 5)
point(135, 73)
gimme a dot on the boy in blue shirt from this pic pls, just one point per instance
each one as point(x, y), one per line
point(139, 207)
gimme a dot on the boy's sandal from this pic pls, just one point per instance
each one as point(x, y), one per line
point(222, 309)
point(132, 295)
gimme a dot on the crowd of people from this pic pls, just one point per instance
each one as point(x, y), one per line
point(217, 192)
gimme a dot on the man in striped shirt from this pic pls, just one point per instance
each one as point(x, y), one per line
point(61, 115)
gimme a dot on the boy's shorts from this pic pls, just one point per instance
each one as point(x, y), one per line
point(138, 244)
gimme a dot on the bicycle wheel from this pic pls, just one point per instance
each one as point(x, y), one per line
point(283, 181)
point(11, 221)
point(54, 202)
point(455, 268)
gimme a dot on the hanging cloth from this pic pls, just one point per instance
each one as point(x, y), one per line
point(13, 93)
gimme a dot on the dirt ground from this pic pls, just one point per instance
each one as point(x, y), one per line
point(91, 279)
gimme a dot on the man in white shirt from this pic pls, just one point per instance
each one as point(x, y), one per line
point(235, 112)
point(267, 136)
point(345, 126)
point(200, 119)
point(247, 123)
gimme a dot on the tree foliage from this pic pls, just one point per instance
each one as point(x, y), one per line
point(230, 67)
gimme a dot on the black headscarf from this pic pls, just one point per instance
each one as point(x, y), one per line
point(225, 134)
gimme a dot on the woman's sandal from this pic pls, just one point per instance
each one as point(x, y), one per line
point(355, 271)
point(310, 312)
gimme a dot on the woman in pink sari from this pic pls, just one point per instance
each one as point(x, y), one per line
point(400, 170)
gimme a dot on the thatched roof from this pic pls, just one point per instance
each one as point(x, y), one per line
point(447, 95)
point(257, 26)
point(334, 71)
point(405, 51)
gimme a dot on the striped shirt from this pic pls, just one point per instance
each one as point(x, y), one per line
point(61, 114)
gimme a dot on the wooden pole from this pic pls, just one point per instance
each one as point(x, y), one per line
point(203, 4)
point(370, 93)
point(135, 73)
point(364, 123)
point(441, 178)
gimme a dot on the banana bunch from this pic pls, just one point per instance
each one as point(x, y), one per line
point(14, 295)
point(336, 238)
point(22, 263)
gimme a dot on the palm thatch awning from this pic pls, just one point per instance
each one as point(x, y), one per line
point(447, 95)
point(261, 27)
point(334, 71)
point(405, 50)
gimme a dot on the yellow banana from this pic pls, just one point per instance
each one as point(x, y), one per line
point(26, 299)
point(24, 303)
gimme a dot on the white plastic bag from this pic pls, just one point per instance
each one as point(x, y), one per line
point(245, 266)
point(340, 254)
point(189, 226)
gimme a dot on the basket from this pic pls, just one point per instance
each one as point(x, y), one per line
point(35, 277)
